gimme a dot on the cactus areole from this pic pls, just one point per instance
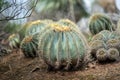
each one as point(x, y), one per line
point(62, 46)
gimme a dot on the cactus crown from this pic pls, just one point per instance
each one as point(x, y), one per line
point(58, 27)
point(67, 22)
point(28, 39)
point(97, 16)
point(34, 22)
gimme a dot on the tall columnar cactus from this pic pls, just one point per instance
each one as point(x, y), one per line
point(29, 46)
point(99, 22)
point(62, 46)
point(14, 41)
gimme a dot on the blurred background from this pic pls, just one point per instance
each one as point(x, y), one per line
point(14, 13)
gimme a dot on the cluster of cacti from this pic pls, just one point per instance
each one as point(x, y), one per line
point(14, 41)
point(99, 22)
point(105, 46)
point(62, 46)
point(29, 45)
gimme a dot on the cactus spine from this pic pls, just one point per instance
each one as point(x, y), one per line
point(99, 22)
point(62, 45)
point(14, 41)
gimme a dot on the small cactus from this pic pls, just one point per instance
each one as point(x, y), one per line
point(101, 54)
point(29, 46)
point(14, 41)
point(113, 54)
point(113, 43)
point(62, 46)
point(95, 45)
point(99, 22)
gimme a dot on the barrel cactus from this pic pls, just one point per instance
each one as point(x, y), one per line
point(14, 41)
point(29, 46)
point(99, 22)
point(62, 47)
point(101, 54)
point(113, 54)
point(113, 43)
point(95, 45)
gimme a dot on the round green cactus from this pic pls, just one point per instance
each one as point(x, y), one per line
point(101, 54)
point(62, 46)
point(29, 46)
point(113, 54)
point(14, 41)
point(99, 22)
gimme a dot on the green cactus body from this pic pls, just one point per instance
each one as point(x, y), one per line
point(62, 46)
point(14, 41)
point(29, 46)
point(99, 22)
point(67, 22)
point(101, 54)
point(113, 54)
